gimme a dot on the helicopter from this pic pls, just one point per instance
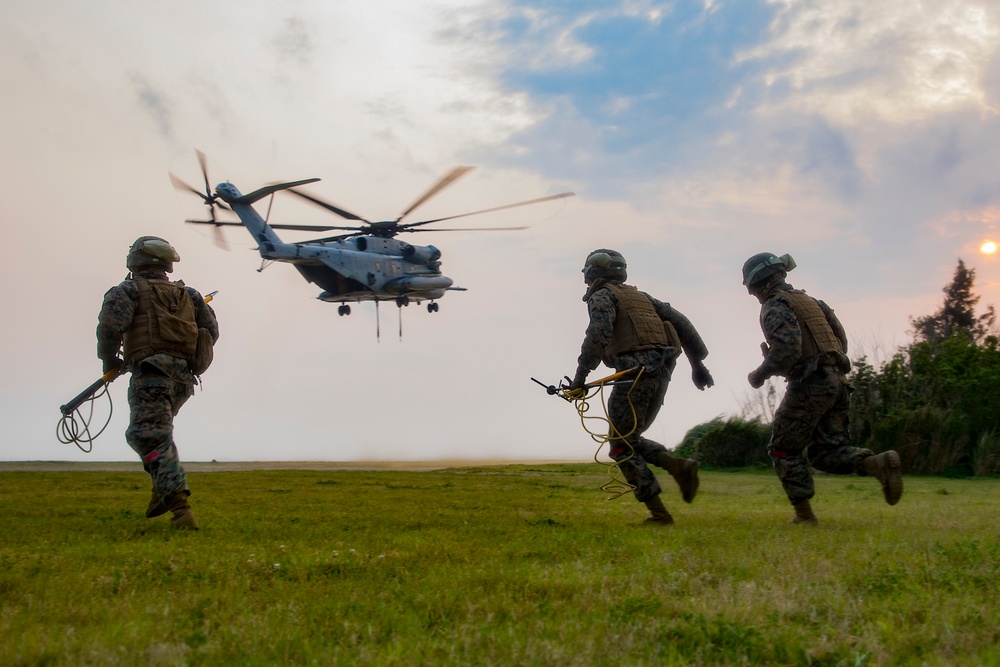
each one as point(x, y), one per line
point(365, 262)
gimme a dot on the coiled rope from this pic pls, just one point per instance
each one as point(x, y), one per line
point(74, 427)
point(617, 486)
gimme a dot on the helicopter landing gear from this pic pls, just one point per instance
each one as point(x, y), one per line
point(432, 307)
point(402, 301)
point(343, 309)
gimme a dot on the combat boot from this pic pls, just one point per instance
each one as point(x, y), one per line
point(660, 515)
point(887, 469)
point(156, 507)
point(684, 472)
point(183, 516)
point(804, 514)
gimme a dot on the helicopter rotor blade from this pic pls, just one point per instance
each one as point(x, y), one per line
point(445, 181)
point(467, 229)
point(411, 225)
point(327, 205)
point(217, 223)
point(315, 228)
point(220, 240)
point(204, 172)
point(217, 236)
point(181, 185)
point(209, 199)
point(300, 228)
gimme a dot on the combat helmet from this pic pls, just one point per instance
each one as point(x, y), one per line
point(763, 265)
point(605, 263)
point(151, 252)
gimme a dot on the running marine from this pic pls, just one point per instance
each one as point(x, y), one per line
point(806, 344)
point(630, 329)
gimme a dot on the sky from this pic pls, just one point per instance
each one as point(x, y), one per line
point(859, 137)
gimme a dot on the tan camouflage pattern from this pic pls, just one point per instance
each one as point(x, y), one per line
point(602, 307)
point(783, 334)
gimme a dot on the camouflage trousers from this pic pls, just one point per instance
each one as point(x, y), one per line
point(154, 398)
point(632, 408)
point(811, 427)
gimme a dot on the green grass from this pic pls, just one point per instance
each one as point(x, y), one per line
point(509, 565)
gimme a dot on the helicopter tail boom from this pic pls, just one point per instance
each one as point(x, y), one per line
point(241, 205)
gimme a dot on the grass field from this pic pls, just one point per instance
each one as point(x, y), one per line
point(503, 565)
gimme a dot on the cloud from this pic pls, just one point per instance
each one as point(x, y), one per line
point(644, 84)
point(896, 60)
point(695, 134)
point(154, 103)
point(295, 42)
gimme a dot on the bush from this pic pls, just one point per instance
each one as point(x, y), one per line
point(727, 443)
point(986, 455)
point(935, 403)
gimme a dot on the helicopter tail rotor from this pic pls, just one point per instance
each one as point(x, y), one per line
point(210, 198)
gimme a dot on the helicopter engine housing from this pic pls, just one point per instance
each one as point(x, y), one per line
point(420, 254)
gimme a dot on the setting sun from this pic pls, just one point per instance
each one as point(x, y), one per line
point(989, 247)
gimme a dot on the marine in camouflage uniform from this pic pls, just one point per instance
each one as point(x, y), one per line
point(162, 380)
point(807, 345)
point(630, 329)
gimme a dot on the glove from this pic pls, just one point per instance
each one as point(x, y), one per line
point(756, 378)
point(575, 388)
point(701, 377)
point(112, 363)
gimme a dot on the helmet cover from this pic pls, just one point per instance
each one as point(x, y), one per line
point(764, 265)
point(605, 263)
point(151, 251)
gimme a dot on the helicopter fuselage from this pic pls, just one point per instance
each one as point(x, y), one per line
point(358, 268)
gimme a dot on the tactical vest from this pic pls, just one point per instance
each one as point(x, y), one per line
point(164, 322)
point(817, 334)
point(637, 325)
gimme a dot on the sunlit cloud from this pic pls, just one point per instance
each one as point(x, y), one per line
point(898, 61)
point(960, 222)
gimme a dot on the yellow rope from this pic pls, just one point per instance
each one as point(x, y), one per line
point(618, 485)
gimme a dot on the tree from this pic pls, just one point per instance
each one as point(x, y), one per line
point(936, 400)
point(957, 313)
